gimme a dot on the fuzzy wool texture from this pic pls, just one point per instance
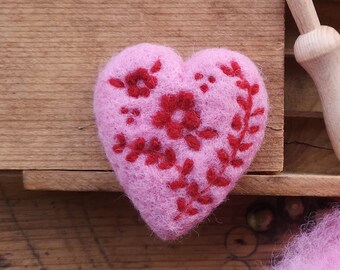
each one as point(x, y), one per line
point(318, 249)
point(189, 177)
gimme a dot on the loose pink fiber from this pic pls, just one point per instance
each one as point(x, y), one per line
point(318, 249)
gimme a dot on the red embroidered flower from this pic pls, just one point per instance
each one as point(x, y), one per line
point(139, 82)
point(191, 121)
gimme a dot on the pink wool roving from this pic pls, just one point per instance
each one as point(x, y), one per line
point(318, 249)
point(179, 134)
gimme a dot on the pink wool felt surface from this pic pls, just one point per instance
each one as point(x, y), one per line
point(179, 134)
point(318, 249)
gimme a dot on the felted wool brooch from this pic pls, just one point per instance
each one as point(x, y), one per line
point(179, 134)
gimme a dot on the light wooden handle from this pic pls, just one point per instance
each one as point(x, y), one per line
point(318, 52)
point(304, 14)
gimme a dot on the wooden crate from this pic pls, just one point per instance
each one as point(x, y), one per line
point(86, 230)
point(51, 53)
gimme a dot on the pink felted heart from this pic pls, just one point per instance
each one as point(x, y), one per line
point(179, 134)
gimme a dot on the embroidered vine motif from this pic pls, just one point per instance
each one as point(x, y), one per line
point(188, 128)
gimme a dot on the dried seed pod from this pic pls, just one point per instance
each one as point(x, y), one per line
point(294, 207)
point(260, 217)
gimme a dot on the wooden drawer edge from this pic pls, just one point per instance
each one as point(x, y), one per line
point(281, 184)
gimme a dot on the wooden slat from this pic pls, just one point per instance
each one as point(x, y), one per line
point(281, 184)
point(51, 52)
point(97, 230)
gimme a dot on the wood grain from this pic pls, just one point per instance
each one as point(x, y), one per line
point(51, 52)
point(279, 185)
point(96, 230)
point(308, 149)
point(301, 96)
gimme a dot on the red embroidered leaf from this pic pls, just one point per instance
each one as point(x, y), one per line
point(236, 68)
point(254, 89)
point(193, 142)
point(243, 84)
point(245, 146)
point(155, 144)
point(207, 133)
point(205, 199)
point(254, 129)
point(156, 66)
point(192, 211)
point(188, 165)
point(132, 156)
point(165, 165)
point(170, 155)
point(223, 156)
point(236, 123)
point(151, 159)
point(118, 148)
point(237, 162)
point(181, 204)
point(116, 83)
point(193, 189)
point(243, 103)
point(233, 141)
point(221, 182)
point(139, 144)
point(121, 138)
point(178, 184)
point(227, 71)
point(258, 111)
point(211, 175)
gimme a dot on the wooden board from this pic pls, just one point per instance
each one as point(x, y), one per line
point(288, 184)
point(308, 149)
point(51, 51)
point(73, 230)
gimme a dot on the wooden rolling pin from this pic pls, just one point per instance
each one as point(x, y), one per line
point(317, 50)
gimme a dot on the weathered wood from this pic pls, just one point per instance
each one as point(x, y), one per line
point(308, 149)
point(51, 51)
point(74, 230)
point(281, 184)
point(301, 96)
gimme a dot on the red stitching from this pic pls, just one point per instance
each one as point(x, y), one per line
point(239, 124)
point(134, 79)
point(183, 101)
point(165, 159)
point(156, 66)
